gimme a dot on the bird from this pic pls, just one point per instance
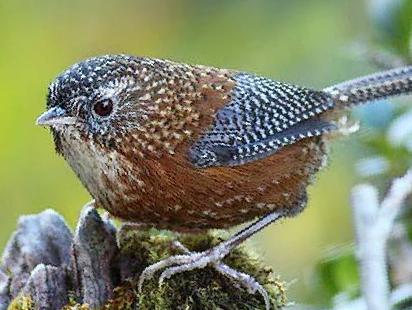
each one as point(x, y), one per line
point(189, 148)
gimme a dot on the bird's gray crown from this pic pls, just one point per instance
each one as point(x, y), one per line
point(83, 78)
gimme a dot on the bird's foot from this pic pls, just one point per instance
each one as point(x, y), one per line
point(213, 257)
point(197, 260)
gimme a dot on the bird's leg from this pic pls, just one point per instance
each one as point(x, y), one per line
point(196, 260)
point(241, 278)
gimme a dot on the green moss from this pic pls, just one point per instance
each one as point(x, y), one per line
point(21, 303)
point(198, 289)
point(73, 305)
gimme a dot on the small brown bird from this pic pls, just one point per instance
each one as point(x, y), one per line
point(190, 148)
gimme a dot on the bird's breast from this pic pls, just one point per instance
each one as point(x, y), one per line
point(169, 192)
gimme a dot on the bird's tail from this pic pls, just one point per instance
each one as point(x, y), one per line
point(376, 86)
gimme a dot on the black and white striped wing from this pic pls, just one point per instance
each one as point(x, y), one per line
point(262, 117)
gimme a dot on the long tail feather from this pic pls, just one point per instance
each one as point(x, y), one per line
point(376, 86)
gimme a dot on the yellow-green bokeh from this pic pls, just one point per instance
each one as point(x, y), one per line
point(305, 42)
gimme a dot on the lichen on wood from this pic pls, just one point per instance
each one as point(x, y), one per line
point(44, 266)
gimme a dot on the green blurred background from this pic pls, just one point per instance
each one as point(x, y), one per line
point(304, 42)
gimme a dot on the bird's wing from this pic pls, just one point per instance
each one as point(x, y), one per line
point(262, 117)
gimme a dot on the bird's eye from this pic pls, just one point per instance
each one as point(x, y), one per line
point(103, 108)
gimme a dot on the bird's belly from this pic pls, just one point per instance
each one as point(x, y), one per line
point(171, 194)
point(180, 197)
point(191, 213)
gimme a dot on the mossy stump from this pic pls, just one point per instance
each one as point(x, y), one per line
point(98, 268)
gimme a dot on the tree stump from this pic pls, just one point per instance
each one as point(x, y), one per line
point(45, 266)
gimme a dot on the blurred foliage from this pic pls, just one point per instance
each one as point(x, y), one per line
point(386, 143)
point(337, 272)
point(393, 25)
point(304, 42)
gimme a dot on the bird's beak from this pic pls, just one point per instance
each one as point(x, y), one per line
point(55, 116)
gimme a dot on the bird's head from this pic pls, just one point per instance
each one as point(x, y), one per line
point(100, 98)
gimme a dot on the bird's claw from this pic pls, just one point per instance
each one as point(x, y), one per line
point(198, 260)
